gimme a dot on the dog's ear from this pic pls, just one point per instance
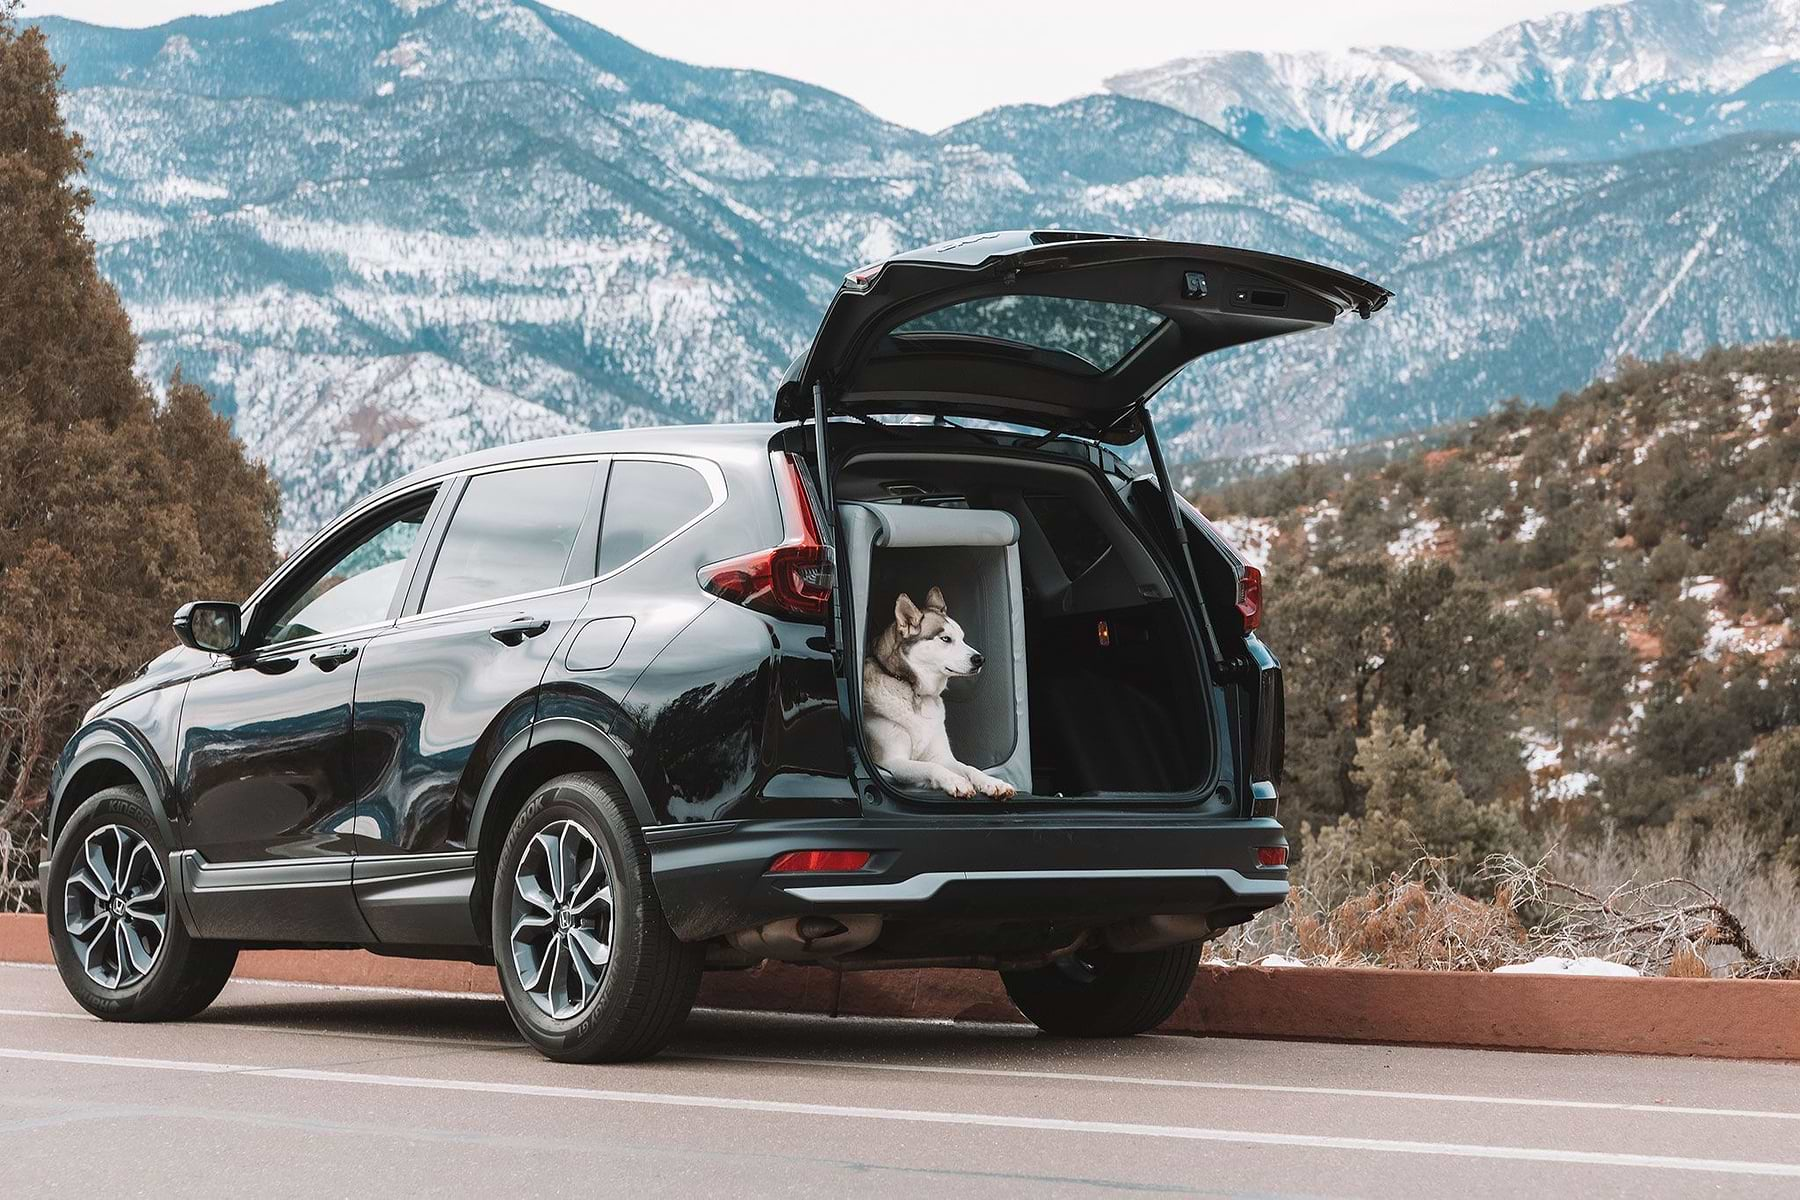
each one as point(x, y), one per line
point(907, 615)
point(934, 601)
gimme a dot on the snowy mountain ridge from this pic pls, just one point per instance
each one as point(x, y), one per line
point(381, 233)
point(1370, 100)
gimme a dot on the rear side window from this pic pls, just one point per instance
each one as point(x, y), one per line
point(512, 533)
point(645, 503)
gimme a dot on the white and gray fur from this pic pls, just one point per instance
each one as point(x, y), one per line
point(904, 678)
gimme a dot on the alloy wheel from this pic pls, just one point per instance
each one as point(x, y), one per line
point(116, 906)
point(562, 919)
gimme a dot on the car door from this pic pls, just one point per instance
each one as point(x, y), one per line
point(263, 768)
point(439, 694)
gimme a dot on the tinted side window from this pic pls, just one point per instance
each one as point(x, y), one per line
point(512, 533)
point(355, 585)
point(645, 503)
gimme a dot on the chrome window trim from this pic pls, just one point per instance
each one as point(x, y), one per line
point(294, 647)
point(705, 467)
point(517, 597)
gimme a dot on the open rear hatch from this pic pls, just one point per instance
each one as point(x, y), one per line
point(1071, 333)
point(1064, 331)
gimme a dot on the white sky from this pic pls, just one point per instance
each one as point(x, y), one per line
point(931, 63)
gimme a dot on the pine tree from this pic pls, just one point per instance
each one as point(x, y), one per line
point(1769, 797)
point(1413, 808)
point(113, 508)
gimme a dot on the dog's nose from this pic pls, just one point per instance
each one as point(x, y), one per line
point(975, 660)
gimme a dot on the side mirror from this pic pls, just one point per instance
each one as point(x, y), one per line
point(215, 625)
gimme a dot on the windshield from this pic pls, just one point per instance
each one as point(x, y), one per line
point(1098, 333)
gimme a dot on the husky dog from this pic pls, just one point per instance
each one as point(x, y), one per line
point(903, 699)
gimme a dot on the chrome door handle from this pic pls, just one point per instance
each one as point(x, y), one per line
point(332, 657)
point(512, 632)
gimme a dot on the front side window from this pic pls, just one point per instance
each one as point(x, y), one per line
point(646, 501)
point(512, 533)
point(352, 587)
point(1098, 333)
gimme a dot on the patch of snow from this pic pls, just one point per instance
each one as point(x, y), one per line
point(1725, 636)
point(1416, 540)
point(1780, 510)
point(1278, 960)
point(408, 54)
point(1702, 587)
point(175, 188)
point(1529, 524)
point(1551, 964)
point(1253, 537)
point(1571, 786)
point(178, 49)
point(1541, 752)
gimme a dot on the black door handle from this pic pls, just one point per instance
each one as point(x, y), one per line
point(332, 657)
point(517, 630)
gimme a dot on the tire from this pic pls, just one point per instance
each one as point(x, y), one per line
point(614, 1006)
point(113, 964)
point(1095, 994)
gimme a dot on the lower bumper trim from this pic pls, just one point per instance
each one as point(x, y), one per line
point(926, 885)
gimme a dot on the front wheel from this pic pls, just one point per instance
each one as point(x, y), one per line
point(589, 967)
point(1096, 993)
point(118, 942)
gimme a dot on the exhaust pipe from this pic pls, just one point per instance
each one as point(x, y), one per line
point(803, 939)
point(1156, 932)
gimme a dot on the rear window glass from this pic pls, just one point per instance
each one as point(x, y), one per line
point(1094, 331)
point(646, 502)
point(512, 533)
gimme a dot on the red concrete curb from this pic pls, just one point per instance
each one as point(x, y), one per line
point(1711, 1018)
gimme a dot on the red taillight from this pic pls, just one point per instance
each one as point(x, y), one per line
point(819, 860)
point(1271, 856)
point(1250, 598)
point(789, 580)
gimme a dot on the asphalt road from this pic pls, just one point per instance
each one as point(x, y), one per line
point(283, 1089)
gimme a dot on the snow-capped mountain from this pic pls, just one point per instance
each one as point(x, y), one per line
point(381, 231)
point(1641, 75)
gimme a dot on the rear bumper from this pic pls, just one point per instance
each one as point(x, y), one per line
point(712, 879)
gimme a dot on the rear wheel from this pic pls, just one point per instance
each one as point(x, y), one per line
point(118, 942)
point(1096, 993)
point(590, 970)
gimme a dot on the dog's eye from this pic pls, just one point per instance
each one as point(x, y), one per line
point(946, 638)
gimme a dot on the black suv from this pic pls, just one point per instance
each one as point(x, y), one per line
point(589, 709)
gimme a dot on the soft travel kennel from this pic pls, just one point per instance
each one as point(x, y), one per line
point(973, 557)
point(1092, 684)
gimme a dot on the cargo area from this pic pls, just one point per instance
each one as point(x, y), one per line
point(1092, 684)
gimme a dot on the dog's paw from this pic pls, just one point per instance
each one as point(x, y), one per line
point(955, 785)
point(999, 789)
